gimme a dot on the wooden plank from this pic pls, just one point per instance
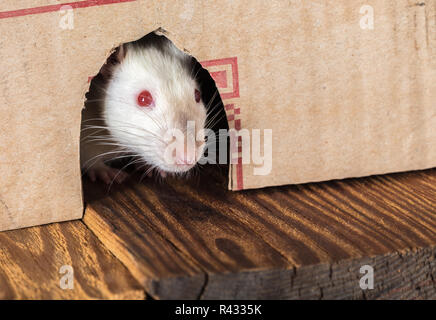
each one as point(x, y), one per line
point(159, 260)
point(31, 261)
point(280, 238)
point(406, 275)
point(151, 259)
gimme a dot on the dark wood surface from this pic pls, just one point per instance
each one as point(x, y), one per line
point(195, 239)
point(31, 261)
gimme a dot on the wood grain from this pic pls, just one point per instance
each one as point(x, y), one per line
point(302, 241)
point(30, 262)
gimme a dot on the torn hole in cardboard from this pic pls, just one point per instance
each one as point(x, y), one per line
point(94, 126)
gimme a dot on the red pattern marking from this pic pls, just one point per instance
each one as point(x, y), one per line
point(239, 173)
point(57, 7)
point(236, 148)
point(238, 124)
point(233, 62)
point(220, 78)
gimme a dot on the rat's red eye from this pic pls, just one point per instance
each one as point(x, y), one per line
point(197, 96)
point(145, 99)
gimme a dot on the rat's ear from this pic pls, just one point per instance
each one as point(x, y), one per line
point(115, 58)
point(120, 53)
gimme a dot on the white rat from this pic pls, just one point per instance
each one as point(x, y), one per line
point(146, 89)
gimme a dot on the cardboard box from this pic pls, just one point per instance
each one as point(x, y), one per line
point(347, 87)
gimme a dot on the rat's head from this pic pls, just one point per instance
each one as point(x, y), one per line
point(153, 106)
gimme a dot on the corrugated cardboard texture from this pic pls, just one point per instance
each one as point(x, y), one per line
point(341, 101)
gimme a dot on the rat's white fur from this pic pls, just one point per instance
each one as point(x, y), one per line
point(164, 72)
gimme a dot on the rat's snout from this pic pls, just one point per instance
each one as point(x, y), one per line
point(182, 152)
point(186, 158)
point(190, 157)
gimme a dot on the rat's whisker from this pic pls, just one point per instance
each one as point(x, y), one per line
point(150, 169)
point(119, 129)
point(121, 170)
point(214, 121)
point(125, 125)
point(211, 109)
point(130, 146)
point(106, 154)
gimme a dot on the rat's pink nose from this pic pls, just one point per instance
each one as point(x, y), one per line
point(186, 158)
